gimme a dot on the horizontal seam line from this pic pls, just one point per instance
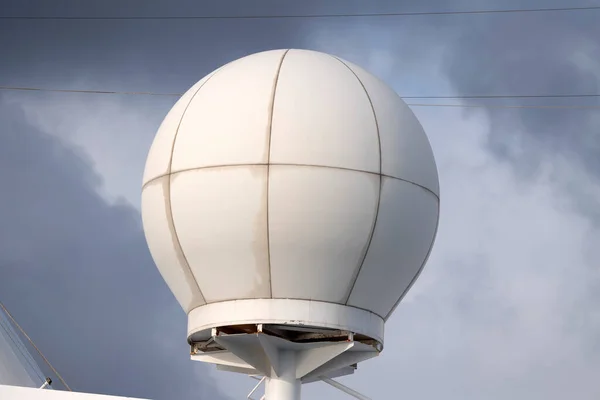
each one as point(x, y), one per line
point(289, 165)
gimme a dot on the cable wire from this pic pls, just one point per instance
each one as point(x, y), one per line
point(575, 107)
point(31, 89)
point(534, 106)
point(34, 346)
point(19, 345)
point(508, 96)
point(305, 16)
point(26, 356)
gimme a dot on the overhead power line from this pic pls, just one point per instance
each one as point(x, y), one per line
point(534, 106)
point(172, 94)
point(304, 16)
point(582, 107)
point(513, 96)
point(33, 89)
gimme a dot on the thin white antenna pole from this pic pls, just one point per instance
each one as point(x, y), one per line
point(46, 384)
point(344, 388)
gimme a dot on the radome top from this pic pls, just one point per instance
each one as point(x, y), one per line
point(290, 174)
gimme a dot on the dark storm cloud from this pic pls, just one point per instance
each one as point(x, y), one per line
point(550, 53)
point(76, 272)
point(164, 55)
point(124, 55)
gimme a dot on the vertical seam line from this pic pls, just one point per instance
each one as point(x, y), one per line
point(270, 127)
point(170, 216)
point(359, 269)
point(414, 279)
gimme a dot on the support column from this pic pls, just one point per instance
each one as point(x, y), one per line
point(285, 386)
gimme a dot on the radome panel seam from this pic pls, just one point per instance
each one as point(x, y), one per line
point(271, 108)
point(168, 194)
point(412, 282)
point(414, 279)
point(370, 240)
point(293, 165)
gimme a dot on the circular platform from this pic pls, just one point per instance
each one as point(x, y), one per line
point(291, 315)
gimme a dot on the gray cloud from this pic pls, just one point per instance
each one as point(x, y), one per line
point(550, 53)
point(506, 306)
point(129, 55)
point(79, 278)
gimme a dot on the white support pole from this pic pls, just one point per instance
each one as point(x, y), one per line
point(46, 384)
point(344, 388)
point(284, 386)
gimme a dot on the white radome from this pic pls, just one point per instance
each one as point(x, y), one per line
point(292, 187)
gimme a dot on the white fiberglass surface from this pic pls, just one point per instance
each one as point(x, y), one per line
point(159, 155)
point(404, 232)
point(220, 215)
point(320, 220)
point(164, 245)
point(405, 149)
point(228, 121)
point(322, 115)
point(224, 225)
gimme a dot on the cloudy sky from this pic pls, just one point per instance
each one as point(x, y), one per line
point(508, 305)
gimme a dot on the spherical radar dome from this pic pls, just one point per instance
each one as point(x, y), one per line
point(290, 186)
